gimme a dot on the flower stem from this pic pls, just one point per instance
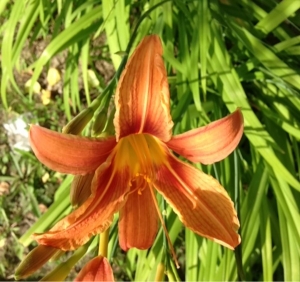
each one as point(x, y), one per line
point(103, 245)
point(160, 272)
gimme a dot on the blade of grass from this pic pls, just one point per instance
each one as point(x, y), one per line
point(280, 13)
point(6, 50)
point(290, 248)
point(3, 5)
point(286, 201)
point(203, 31)
point(281, 46)
point(110, 16)
point(122, 23)
point(253, 202)
point(193, 244)
point(266, 242)
point(212, 260)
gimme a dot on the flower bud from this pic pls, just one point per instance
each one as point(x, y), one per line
point(98, 269)
point(78, 123)
point(110, 128)
point(99, 122)
point(34, 261)
point(80, 189)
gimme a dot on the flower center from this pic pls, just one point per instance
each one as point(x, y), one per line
point(142, 154)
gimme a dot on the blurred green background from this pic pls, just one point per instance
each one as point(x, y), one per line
point(220, 55)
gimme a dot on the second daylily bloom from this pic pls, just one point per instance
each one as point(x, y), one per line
point(131, 165)
point(98, 269)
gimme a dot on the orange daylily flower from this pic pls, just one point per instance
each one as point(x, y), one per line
point(131, 165)
point(97, 269)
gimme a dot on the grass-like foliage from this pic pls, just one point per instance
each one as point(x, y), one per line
point(220, 55)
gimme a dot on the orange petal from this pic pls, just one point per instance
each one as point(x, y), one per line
point(138, 223)
point(95, 215)
point(69, 153)
point(200, 201)
point(210, 143)
point(98, 269)
point(142, 97)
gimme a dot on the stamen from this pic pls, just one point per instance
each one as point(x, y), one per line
point(139, 183)
point(164, 228)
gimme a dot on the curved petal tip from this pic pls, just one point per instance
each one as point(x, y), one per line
point(210, 143)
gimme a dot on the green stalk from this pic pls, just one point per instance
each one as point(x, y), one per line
point(238, 249)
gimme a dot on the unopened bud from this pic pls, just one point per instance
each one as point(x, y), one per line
point(53, 77)
point(99, 122)
point(80, 189)
point(110, 128)
point(78, 123)
point(34, 261)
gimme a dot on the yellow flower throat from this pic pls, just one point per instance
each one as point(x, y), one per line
point(142, 154)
